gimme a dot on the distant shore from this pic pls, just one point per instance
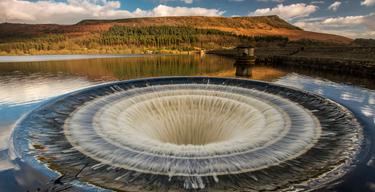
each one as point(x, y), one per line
point(57, 57)
point(345, 60)
point(98, 52)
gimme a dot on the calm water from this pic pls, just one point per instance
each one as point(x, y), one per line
point(26, 82)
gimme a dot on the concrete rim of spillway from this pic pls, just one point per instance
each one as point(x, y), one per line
point(20, 144)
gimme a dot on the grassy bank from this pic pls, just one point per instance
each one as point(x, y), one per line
point(95, 51)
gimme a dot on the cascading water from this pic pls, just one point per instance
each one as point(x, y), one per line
point(190, 133)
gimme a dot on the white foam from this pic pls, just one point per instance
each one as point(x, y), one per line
point(185, 130)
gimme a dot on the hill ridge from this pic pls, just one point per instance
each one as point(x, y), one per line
point(212, 32)
point(272, 20)
point(250, 26)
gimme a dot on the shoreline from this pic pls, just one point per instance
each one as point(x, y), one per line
point(58, 57)
point(361, 63)
point(101, 52)
point(289, 57)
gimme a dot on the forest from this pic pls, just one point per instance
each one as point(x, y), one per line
point(126, 39)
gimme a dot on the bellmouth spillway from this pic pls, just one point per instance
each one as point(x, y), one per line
point(192, 133)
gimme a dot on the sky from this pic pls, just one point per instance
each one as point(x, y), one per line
point(354, 18)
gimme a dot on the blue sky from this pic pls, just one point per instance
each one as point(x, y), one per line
point(354, 18)
point(237, 7)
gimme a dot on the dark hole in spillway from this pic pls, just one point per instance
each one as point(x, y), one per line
point(189, 133)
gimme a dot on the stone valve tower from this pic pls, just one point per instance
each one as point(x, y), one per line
point(245, 60)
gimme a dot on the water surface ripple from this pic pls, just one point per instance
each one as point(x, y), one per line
point(26, 85)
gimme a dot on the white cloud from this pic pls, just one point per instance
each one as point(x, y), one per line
point(350, 26)
point(369, 22)
point(317, 2)
point(292, 11)
point(188, 1)
point(348, 20)
point(278, 1)
point(334, 6)
point(72, 11)
point(368, 2)
point(163, 10)
point(185, 1)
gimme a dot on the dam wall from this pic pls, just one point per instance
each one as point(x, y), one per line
point(346, 66)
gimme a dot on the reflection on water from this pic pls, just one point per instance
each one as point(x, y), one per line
point(25, 85)
point(361, 102)
point(29, 58)
point(123, 68)
point(21, 89)
point(332, 76)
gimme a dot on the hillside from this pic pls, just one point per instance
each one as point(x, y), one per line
point(259, 25)
point(133, 34)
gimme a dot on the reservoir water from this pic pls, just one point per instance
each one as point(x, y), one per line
point(27, 82)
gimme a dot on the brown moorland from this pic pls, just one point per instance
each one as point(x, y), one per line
point(251, 26)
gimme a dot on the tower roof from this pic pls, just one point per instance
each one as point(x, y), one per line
point(247, 45)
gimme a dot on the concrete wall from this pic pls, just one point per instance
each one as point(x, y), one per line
point(345, 66)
